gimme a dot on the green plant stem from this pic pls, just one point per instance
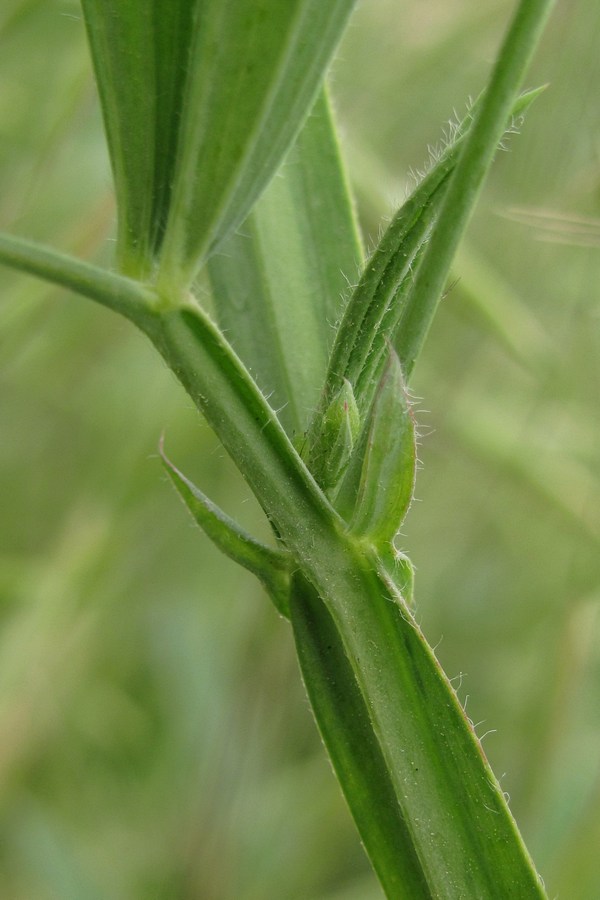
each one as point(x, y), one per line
point(460, 838)
point(121, 294)
point(460, 830)
point(466, 181)
point(368, 668)
point(343, 720)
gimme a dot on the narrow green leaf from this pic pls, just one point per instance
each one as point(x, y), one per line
point(389, 468)
point(140, 52)
point(504, 311)
point(377, 297)
point(255, 70)
point(201, 99)
point(343, 720)
point(271, 567)
point(385, 272)
point(278, 283)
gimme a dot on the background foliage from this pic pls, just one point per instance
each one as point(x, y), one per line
point(155, 737)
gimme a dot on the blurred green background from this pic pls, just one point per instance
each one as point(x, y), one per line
point(155, 741)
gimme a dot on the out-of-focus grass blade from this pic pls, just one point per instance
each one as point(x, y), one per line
point(11, 13)
point(558, 227)
point(344, 723)
point(508, 317)
point(568, 485)
point(201, 99)
point(279, 281)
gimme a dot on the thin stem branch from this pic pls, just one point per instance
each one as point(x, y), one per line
point(466, 181)
point(123, 295)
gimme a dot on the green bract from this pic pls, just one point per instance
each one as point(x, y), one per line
point(377, 491)
point(271, 567)
point(341, 427)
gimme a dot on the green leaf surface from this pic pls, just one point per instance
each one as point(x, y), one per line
point(343, 720)
point(278, 283)
point(256, 66)
point(272, 568)
point(341, 428)
point(140, 52)
point(384, 296)
point(201, 100)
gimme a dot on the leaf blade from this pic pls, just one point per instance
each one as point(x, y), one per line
point(343, 721)
point(279, 281)
point(201, 99)
point(254, 94)
point(117, 32)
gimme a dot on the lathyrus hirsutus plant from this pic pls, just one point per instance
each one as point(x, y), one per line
point(201, 101)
